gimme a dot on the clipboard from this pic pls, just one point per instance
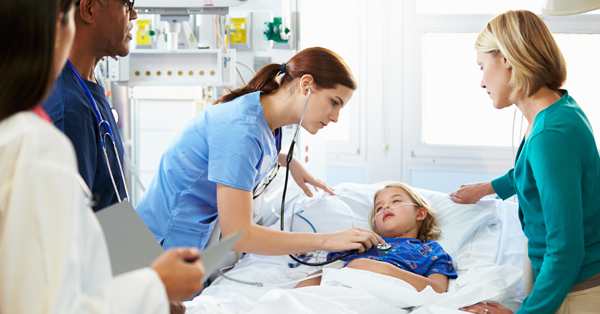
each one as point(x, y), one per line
point(131, 245)
point(214, 255)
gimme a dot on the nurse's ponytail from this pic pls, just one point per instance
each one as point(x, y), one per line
point(326, 67)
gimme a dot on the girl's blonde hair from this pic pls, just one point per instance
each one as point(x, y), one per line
point(528, 45)
point(429, 230)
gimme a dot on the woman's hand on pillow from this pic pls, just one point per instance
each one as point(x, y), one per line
point(489, 308)
point(472, 193)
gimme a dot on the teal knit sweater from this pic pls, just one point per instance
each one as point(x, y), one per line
point(557, 180)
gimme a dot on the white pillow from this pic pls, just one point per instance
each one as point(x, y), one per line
point(468, 231)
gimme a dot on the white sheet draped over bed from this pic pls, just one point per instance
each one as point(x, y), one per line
point(484, 240)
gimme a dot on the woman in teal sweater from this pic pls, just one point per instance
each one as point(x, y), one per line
point(557, 169)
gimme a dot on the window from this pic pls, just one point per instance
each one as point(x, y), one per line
point(582, 53)
point(339, 29)
point(475, 6)
point(454, 104)
point(449, 120)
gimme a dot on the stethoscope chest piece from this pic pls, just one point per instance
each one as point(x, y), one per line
point(384, 246)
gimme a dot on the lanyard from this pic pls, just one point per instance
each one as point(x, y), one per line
point(41, 113)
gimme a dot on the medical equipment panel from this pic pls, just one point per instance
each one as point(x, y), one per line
point(212, 67)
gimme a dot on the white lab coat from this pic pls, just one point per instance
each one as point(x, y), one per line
point(53, 256)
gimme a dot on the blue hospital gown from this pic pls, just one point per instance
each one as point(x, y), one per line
point(409, 254)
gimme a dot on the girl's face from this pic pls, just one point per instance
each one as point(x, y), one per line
point(496, 75)
point(397, 216)
point(65, 32)
point(324, 106)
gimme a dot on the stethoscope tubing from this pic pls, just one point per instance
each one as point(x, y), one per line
point(101, 122)
point(260, 284)
point(290, 155)
point(287, 172)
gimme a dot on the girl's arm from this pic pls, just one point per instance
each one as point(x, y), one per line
point(439, 282)
point(235, 213)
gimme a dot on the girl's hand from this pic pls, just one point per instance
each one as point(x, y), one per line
point(370, 265)
point(489, 308)
point(303, 176)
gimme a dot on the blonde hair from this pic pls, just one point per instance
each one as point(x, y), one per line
point(528, 45)
point(429, 230)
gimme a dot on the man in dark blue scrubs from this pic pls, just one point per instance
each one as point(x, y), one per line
point(102, 29)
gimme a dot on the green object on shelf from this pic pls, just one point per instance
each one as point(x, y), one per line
point(272, 31)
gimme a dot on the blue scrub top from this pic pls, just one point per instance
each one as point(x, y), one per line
point(73, 113)
point(229, 143)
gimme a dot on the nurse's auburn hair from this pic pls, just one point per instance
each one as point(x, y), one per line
point(326, 67)
point(27, 34)
point(429, 230)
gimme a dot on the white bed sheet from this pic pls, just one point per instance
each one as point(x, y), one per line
point(485, 241)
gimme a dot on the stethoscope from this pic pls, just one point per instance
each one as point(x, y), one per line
point(102, 122)
point(290, 155)
point(380, 246)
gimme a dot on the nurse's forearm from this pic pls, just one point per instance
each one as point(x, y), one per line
point(235, 213)
point(265, 241)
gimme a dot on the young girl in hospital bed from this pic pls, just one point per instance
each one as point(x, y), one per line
point(406, 221)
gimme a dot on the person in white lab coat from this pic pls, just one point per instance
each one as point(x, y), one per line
point(53, 256)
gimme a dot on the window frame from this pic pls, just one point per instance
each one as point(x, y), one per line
point(420, 156)
point(351, 152)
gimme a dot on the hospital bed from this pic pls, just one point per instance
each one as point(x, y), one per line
point(484, 239)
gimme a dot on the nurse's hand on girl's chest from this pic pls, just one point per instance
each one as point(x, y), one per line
point(302, 176)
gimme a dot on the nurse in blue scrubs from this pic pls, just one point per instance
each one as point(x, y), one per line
point(214, 164)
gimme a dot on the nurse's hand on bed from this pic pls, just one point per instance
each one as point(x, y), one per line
point(472, 193)
point(302, 176)
point(489, 308)
point(352, 239)
point(182, 279)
